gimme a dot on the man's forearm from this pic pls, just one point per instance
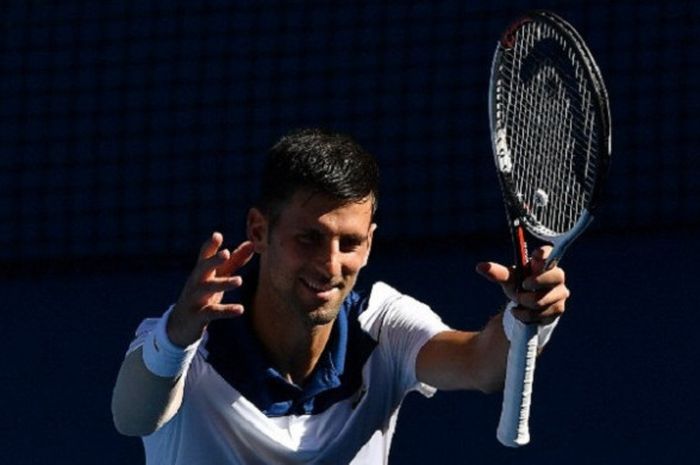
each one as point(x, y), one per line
point(465, 360)
point(142, 402)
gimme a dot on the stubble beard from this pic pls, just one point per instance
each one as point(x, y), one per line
point(325, 313)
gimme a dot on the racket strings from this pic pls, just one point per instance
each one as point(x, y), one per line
point(547, 106)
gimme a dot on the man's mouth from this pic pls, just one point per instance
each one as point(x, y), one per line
point(321, 289)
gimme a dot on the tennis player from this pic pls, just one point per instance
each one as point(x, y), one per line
point(294, 366)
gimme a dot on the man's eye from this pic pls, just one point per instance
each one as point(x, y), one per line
point(307, 239)
point(349, 245)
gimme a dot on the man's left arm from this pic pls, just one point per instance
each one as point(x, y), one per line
point(477, 360)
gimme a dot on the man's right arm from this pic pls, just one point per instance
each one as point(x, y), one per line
point(150, 384)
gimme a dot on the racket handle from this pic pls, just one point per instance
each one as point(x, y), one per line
point(513, 430)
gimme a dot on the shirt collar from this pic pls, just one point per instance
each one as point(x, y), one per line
point(238, 355)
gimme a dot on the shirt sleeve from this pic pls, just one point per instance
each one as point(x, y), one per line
point(401, 325)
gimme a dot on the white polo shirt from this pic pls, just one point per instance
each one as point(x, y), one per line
point(237, 409)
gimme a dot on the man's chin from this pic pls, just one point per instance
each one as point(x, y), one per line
point(322, 316)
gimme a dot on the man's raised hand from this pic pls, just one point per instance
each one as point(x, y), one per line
point(200, 300)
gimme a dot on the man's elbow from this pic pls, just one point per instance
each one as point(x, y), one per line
point(491, 385)
point(130, 421)
point(129, 426)
point(125, 428)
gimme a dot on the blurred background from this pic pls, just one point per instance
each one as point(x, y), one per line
point(129, 131)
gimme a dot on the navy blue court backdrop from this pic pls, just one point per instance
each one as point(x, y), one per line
point(131, 130)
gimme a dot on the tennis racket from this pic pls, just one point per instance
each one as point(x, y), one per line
point(550, 128)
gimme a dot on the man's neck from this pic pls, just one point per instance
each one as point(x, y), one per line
point(294, 347)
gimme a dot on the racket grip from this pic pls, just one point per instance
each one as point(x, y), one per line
point(513, 430)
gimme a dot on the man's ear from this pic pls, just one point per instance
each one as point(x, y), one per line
point(370, 236)
point(257, 229)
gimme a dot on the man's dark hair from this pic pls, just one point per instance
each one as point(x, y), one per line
point(321, 162)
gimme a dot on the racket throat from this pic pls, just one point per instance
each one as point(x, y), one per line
point(521, 254)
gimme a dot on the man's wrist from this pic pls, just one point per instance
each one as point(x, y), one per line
point(510, 322)
point(178, 332)
point(161, 356)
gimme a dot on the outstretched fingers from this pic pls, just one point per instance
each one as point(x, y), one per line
point(221, 284)
point(220, 311)
point(210, 246)
point(213, 274)
point(213, 262)
point(237, 259)
point(200, 301)
point(206, 267)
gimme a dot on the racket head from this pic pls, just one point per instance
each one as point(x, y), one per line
point(550, 126)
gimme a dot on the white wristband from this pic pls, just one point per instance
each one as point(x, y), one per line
point(162, 357)
point(544, 332)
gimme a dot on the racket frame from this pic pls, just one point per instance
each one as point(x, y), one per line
point(513, 428)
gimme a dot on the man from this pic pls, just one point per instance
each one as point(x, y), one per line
point(298, 367)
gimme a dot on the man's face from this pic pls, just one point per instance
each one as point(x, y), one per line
point(311, 257)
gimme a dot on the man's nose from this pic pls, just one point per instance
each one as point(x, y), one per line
point(331, 259)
